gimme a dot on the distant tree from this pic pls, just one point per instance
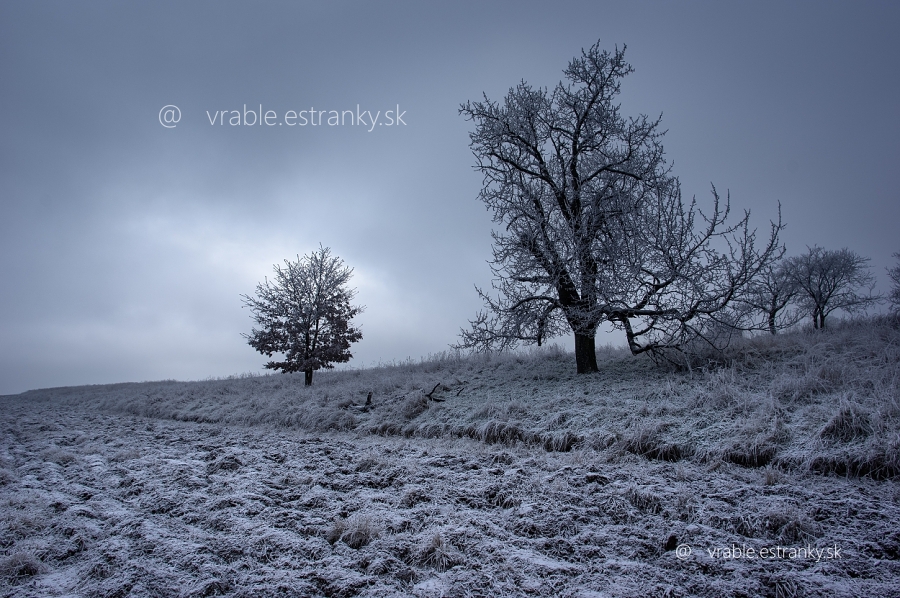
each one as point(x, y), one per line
point(592, 225)
point(894, 273)
point(305, 313)
point(770, 295)
point(832, 280)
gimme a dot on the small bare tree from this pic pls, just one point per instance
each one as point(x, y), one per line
point(894, 274)
point(305, 314)
point(593, 227)
point(770, 295)
point(832, 280)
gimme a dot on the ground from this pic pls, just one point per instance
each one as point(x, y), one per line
point(512, 485)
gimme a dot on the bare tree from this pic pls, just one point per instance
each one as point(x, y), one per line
point(770, 295)
point(593, 227)
point(832, 280)
point(894, 273)
point(305, 314)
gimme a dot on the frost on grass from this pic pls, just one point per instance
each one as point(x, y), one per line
point(523, 480)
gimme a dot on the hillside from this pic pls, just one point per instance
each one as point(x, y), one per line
point(521, 478)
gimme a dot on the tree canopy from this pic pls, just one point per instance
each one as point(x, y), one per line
point(831, 280)
point(304, 314)
point(592, 226)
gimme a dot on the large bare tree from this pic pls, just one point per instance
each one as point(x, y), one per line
point(593, 228)
point(304, 314)
point(831, 280)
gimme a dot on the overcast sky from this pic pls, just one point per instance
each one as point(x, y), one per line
point(125, 245)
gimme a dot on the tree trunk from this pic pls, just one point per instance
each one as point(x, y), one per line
point(772, 327)
point(585, 354)
point(307, 378)
point(821, 320)
point(540, 331)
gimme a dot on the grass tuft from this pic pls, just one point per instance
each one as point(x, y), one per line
point(437, 553)
point(21, 565)
point(848, 424)
point(355, 532)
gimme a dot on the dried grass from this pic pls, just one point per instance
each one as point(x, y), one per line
point(437, 553)
point(356, 532)
point(20, 565)
point(827, 401)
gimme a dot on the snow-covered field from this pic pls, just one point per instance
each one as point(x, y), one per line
point(777, 474)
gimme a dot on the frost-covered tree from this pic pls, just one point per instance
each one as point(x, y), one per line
point(832, 280)
point(304, 314)
point(771, 295)
point(894, 273)
point(593, 228)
